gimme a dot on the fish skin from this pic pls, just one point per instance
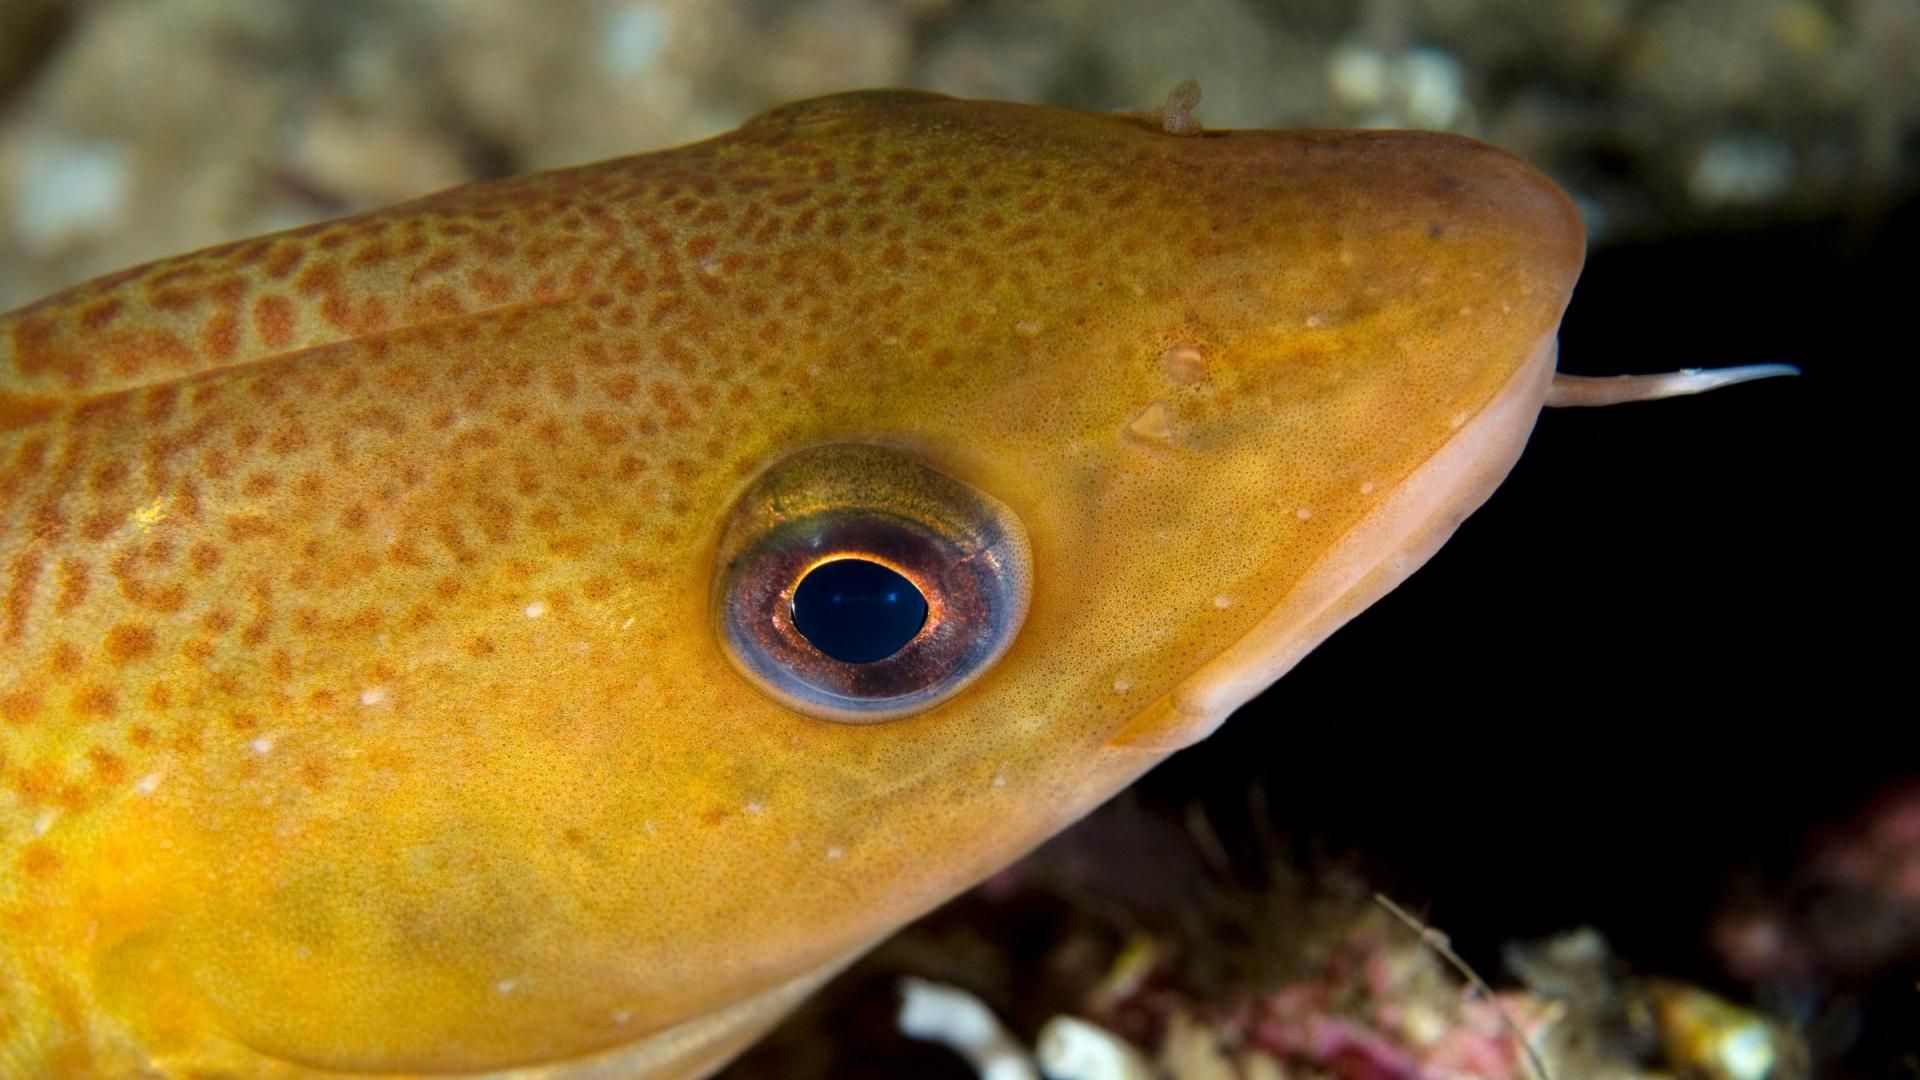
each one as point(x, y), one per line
point(360, 709)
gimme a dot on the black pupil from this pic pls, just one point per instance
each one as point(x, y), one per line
point(857, 611)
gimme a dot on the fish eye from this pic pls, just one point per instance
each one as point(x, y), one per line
point(856, 584)
point(857, 611)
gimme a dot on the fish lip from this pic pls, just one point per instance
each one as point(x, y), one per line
point(1411, 522)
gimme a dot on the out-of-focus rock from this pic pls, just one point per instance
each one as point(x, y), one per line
point(236, 116)
point(29, 32)
point(67, 192)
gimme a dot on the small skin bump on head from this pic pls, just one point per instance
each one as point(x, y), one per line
point(1121, 686)
point(261, 745)
point(834, 853)
point(1223, 601)
point(1184, 364)
point(1176, 117)
point(1151, 424)
point(535, 609)
point(374, 696)
point(1303, 513)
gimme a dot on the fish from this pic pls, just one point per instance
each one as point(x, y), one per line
point(548, 628)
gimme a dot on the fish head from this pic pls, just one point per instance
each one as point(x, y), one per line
point(544, 758)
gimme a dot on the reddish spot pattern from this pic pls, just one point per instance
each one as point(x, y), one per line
point(130, 641)
point(38, 860)
point(273, 320)
point(241, 488)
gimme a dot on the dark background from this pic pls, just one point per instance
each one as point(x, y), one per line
point(1644, 683)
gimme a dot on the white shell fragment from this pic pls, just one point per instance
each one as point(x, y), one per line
point(959, 1021)
point(1068, 1048)
point(1073, 1049)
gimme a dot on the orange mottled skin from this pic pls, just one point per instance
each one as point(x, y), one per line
point(359, 704)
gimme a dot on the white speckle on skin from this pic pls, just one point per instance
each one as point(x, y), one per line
point(1223, 601)
point(1121, 686)
point(261, 745)
point(147, 784)
point(622, 1017)
point(151, 514)
point(505, 986)
point(44, 822)
point(1456, 420)
point(755, 806)
point(1303, 513)
point(1000, 777)
point(1314, 322)
point(374, 696)
point(834, 853)
point(628, 625)
point(536, 609)
point(1027, 328)
point(1366, 487)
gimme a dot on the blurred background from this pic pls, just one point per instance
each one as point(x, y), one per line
point(135, 130)
point(1647, 690)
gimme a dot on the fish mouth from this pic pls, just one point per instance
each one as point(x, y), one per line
point(1379, 552)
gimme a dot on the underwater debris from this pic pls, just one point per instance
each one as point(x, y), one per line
point(1073, 1049)
point(1382, 1005)
point(1713, 1038)
point(961, 1022)
point(1612, 1016)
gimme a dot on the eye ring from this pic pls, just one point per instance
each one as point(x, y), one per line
point(964, 551)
